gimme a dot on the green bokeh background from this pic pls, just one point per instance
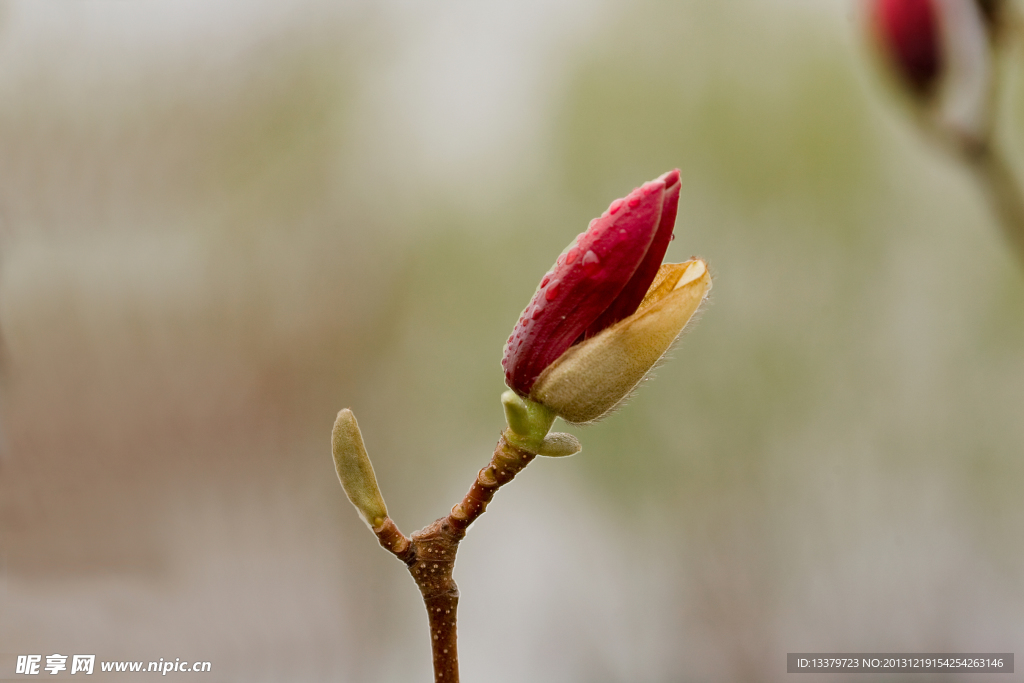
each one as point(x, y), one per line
point(223, 222)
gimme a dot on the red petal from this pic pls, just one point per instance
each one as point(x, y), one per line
point(577, 291)
point(909, 33)
point(633, 293)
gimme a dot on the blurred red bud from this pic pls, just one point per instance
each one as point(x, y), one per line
point(909, 33)
point(941, 51)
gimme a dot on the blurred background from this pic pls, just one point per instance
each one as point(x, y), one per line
point(221, 222)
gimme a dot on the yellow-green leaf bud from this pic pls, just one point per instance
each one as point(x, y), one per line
point(355, 470)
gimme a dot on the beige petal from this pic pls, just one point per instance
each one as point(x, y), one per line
point(672, 276)
point(591, 378)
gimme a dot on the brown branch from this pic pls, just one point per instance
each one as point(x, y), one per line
point(430, 553)
point(393, 540)
point(506, 463)
point(1003, 192)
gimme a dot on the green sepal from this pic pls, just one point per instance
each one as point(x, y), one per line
point(528, 422)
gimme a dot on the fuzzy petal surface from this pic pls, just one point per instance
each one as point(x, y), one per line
point(591, 378)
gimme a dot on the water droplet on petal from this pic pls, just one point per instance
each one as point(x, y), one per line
point(571, 256)
point(672, 238)
point(552, 292)
point(593, 222)
point(634, 202)
point(616, 205)
point(591, 262)
point(536, 312)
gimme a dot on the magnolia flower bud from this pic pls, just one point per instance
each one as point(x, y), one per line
point(608, 309)
point(355, 471)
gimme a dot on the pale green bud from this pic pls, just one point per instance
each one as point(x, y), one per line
point(355, 471)
point(560, 444)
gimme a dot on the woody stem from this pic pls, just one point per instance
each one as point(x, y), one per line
point(430, 553)
point(1003, 192)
